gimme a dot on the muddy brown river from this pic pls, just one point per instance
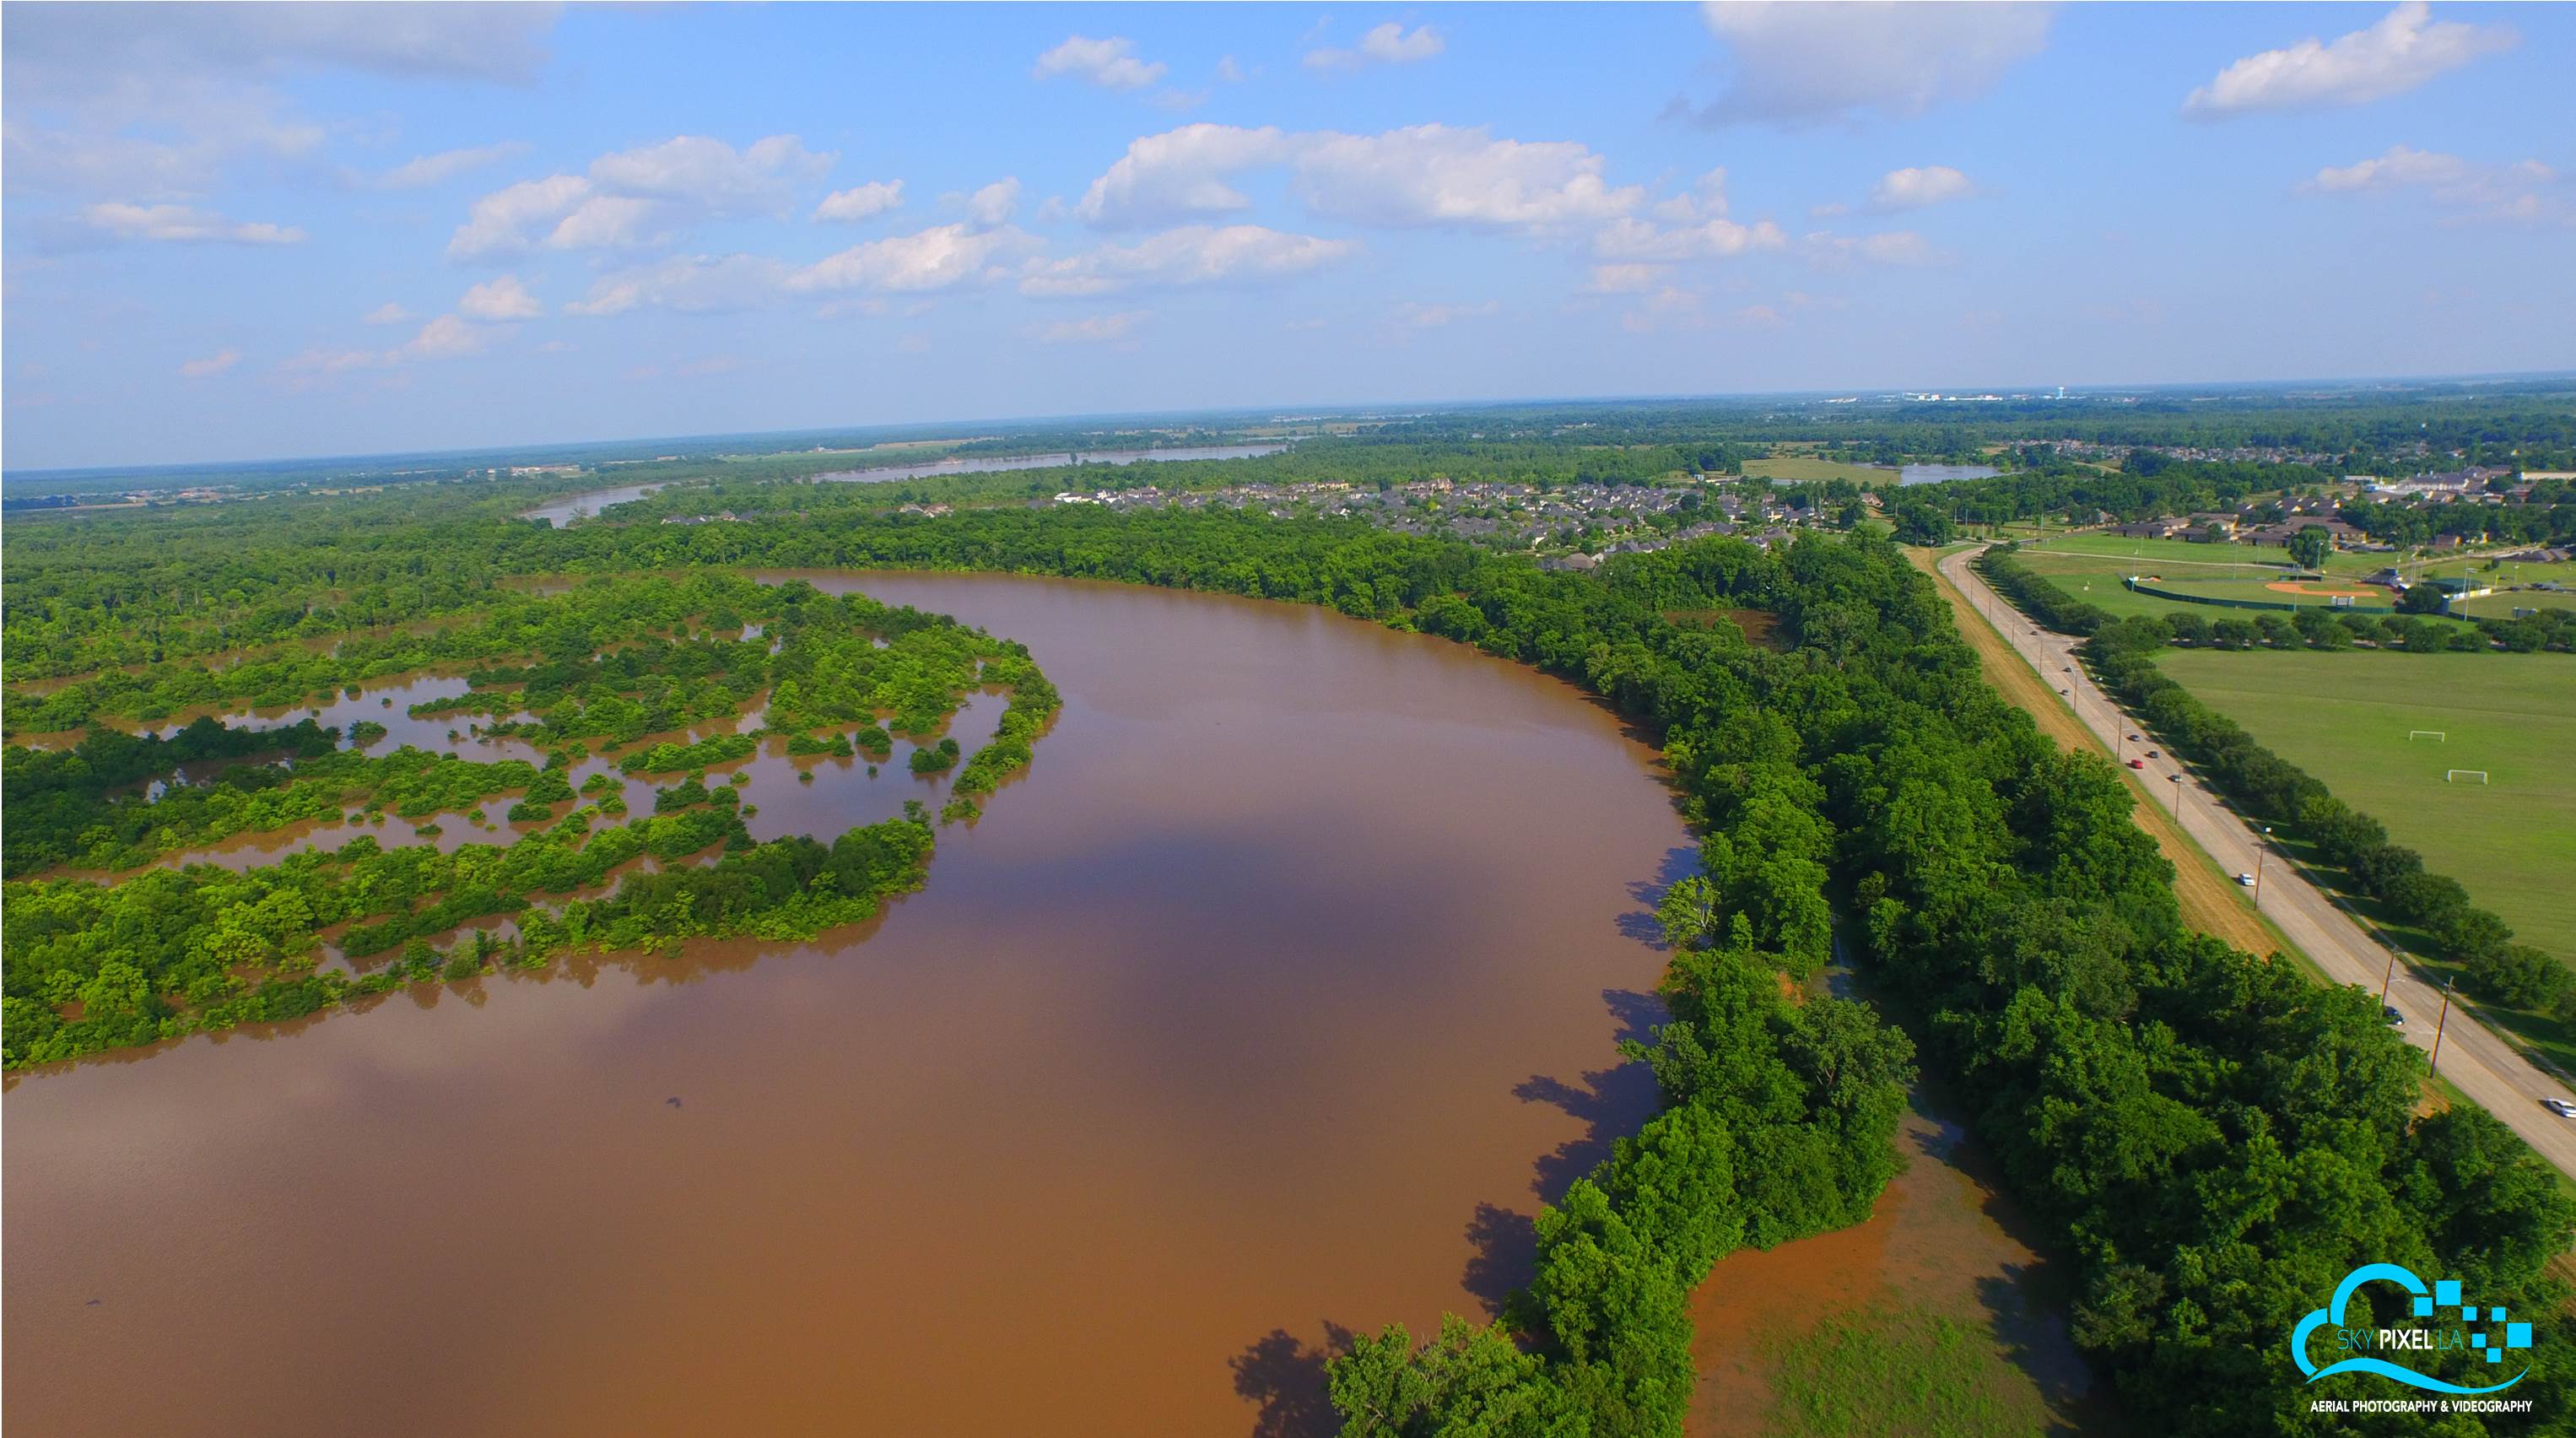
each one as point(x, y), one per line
point(1272, 998)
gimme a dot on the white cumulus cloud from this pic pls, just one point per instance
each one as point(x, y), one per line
point(1189, 255)
point(939, 258)
point(390, 312)
point(1181, 173)
point(993, 204)
point(446, 165)
point(1636, 240)
point(1810, 63)
point(500, 301)
point(1110, 64)
point(183, 224)
point(2405, 49)
point(1916, 186)
point(212, 365)
point(445, 337)
point(1388, 44)
point(1420, 175)
point(691, 284)
point(636, 197)
point(2473, 189)
point(861, 202)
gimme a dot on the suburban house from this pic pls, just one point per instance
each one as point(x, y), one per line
point(2337, 532)
point(2165, 528)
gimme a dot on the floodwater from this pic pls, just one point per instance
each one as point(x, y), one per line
point(841, 795)
point(1942, 473)
point(571, 507)
point(1942, 1239)
point(1272, 998)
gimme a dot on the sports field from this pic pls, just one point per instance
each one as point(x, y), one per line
point(2345, 717)
point(2092, 568)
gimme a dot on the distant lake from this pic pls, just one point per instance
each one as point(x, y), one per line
point(1941, 473)
point(1061, 459)
point(564, 511)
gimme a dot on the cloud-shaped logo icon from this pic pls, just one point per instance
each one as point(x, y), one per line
point(2444, 1295)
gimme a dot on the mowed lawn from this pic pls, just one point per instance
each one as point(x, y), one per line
point(2344, 717)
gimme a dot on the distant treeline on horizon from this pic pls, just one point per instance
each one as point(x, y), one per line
point(2361, 418)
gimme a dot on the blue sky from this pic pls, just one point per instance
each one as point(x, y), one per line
point(237, 232)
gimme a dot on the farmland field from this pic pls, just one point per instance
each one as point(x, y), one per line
point(2344, 717)
point(1808, 466)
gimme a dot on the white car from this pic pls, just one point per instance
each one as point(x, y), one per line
point(2560, 1107)
point(2246, 879)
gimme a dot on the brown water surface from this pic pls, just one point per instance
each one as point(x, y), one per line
point(1270, 998)
point(1943, 1239)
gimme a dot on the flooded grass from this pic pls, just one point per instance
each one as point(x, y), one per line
point(1939, 1307)
point(1895, 1371)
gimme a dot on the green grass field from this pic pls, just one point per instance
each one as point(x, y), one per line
point(2344, 717)
point(2173, 552)
point(2502, 605)
point(1805, 466)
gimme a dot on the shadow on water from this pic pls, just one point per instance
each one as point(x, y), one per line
point(1610, 1102)
point(2026, 1300)
point(1505, 1257)
point(1285, 1377)
point(1640, 924)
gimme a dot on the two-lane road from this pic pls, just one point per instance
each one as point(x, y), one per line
point(2475, 1060)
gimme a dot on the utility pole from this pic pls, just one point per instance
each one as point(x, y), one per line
point(2384, 978)
point(2177, 783)
point(2259, 846)
point(2436, 1064)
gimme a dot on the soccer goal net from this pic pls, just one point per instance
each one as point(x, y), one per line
point(2438, 735)
point(2464, 776)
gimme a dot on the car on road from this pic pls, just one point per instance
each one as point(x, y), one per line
point(2395, 1019)
point(2137, 763)
point(2560, 1107)
point(2246, 879)
point(2134, 738)
point(2151, 753)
